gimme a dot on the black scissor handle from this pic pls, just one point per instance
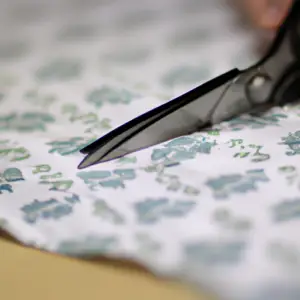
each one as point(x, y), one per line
point(288, 88)
point(295, 29)
point(287, 44)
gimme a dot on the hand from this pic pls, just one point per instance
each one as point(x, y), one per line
point(266, 14)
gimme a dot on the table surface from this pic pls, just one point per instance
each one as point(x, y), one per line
point(29, 273)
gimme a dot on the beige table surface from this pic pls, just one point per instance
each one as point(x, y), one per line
point(32, 274)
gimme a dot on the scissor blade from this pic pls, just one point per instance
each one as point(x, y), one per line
point(181, 116)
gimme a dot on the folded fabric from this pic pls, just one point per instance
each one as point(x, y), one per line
point(218, 208)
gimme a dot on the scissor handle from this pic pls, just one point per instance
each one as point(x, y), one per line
point(287, 88)
point(295, 29)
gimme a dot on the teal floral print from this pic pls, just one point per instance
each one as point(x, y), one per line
point(292, 141)
point(248, 151)
point(50, 209)
point(11, 175)
point(283, 254)
point(35, 97)
point(103, 211)
point(109, 95)
point(253, 122)
point(226, 185)
point(291, 175)
point(13, 50)
point(152, 210)
point(91, 121)
point(277, 290)
point(288, 209)
point(215, 252)
point(25, 122)
point(183, 148)
point(5, 187)
point(147, 246)
point(12, 151)
point(3, 223)
point(218, 207)
point(189, 37)
point(60, 70)
point(225, 219)
point(76, 32)
point(107, 179)
point(137, 19)
point(185, 75)
point(128, 56)
point(127, 160)
point(173, 183)
point(7, 80)
point(7, 179)
point(56, 182)
point(70, 146)
point(90, 245)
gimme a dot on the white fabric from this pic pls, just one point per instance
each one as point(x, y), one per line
point(219, 209)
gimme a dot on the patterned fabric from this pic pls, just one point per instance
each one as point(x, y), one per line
point(219, 208)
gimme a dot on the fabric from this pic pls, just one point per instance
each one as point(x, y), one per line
point(219, 209)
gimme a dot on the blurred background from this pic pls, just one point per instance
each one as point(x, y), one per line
point(157, 48)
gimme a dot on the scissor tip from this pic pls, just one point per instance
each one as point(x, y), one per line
point(82, 165)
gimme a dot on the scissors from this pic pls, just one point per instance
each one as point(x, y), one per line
point(273, 81)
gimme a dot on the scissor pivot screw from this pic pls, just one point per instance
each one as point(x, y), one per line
point(258, 81)
point(259, 88)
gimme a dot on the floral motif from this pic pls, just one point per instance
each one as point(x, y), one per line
point(212, 205)
point(226, 185)
point(215, 252)
point(76, 32)
point(293, 143)
point(109, 95)
point(182, 148)
point(253, 122)
point(286, 210)
point(13, 50)
point(60, 70)
point(69, 146)
point(107, 179)
point(89, 245)
point(105, 212)
point(185, 75)
point(127, 56)
point(151, 210)
point(26, 122)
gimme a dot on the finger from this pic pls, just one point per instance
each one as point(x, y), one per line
point(267, 14)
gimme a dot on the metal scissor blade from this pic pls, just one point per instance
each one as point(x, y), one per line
point(255, 89)
point(183, 115)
